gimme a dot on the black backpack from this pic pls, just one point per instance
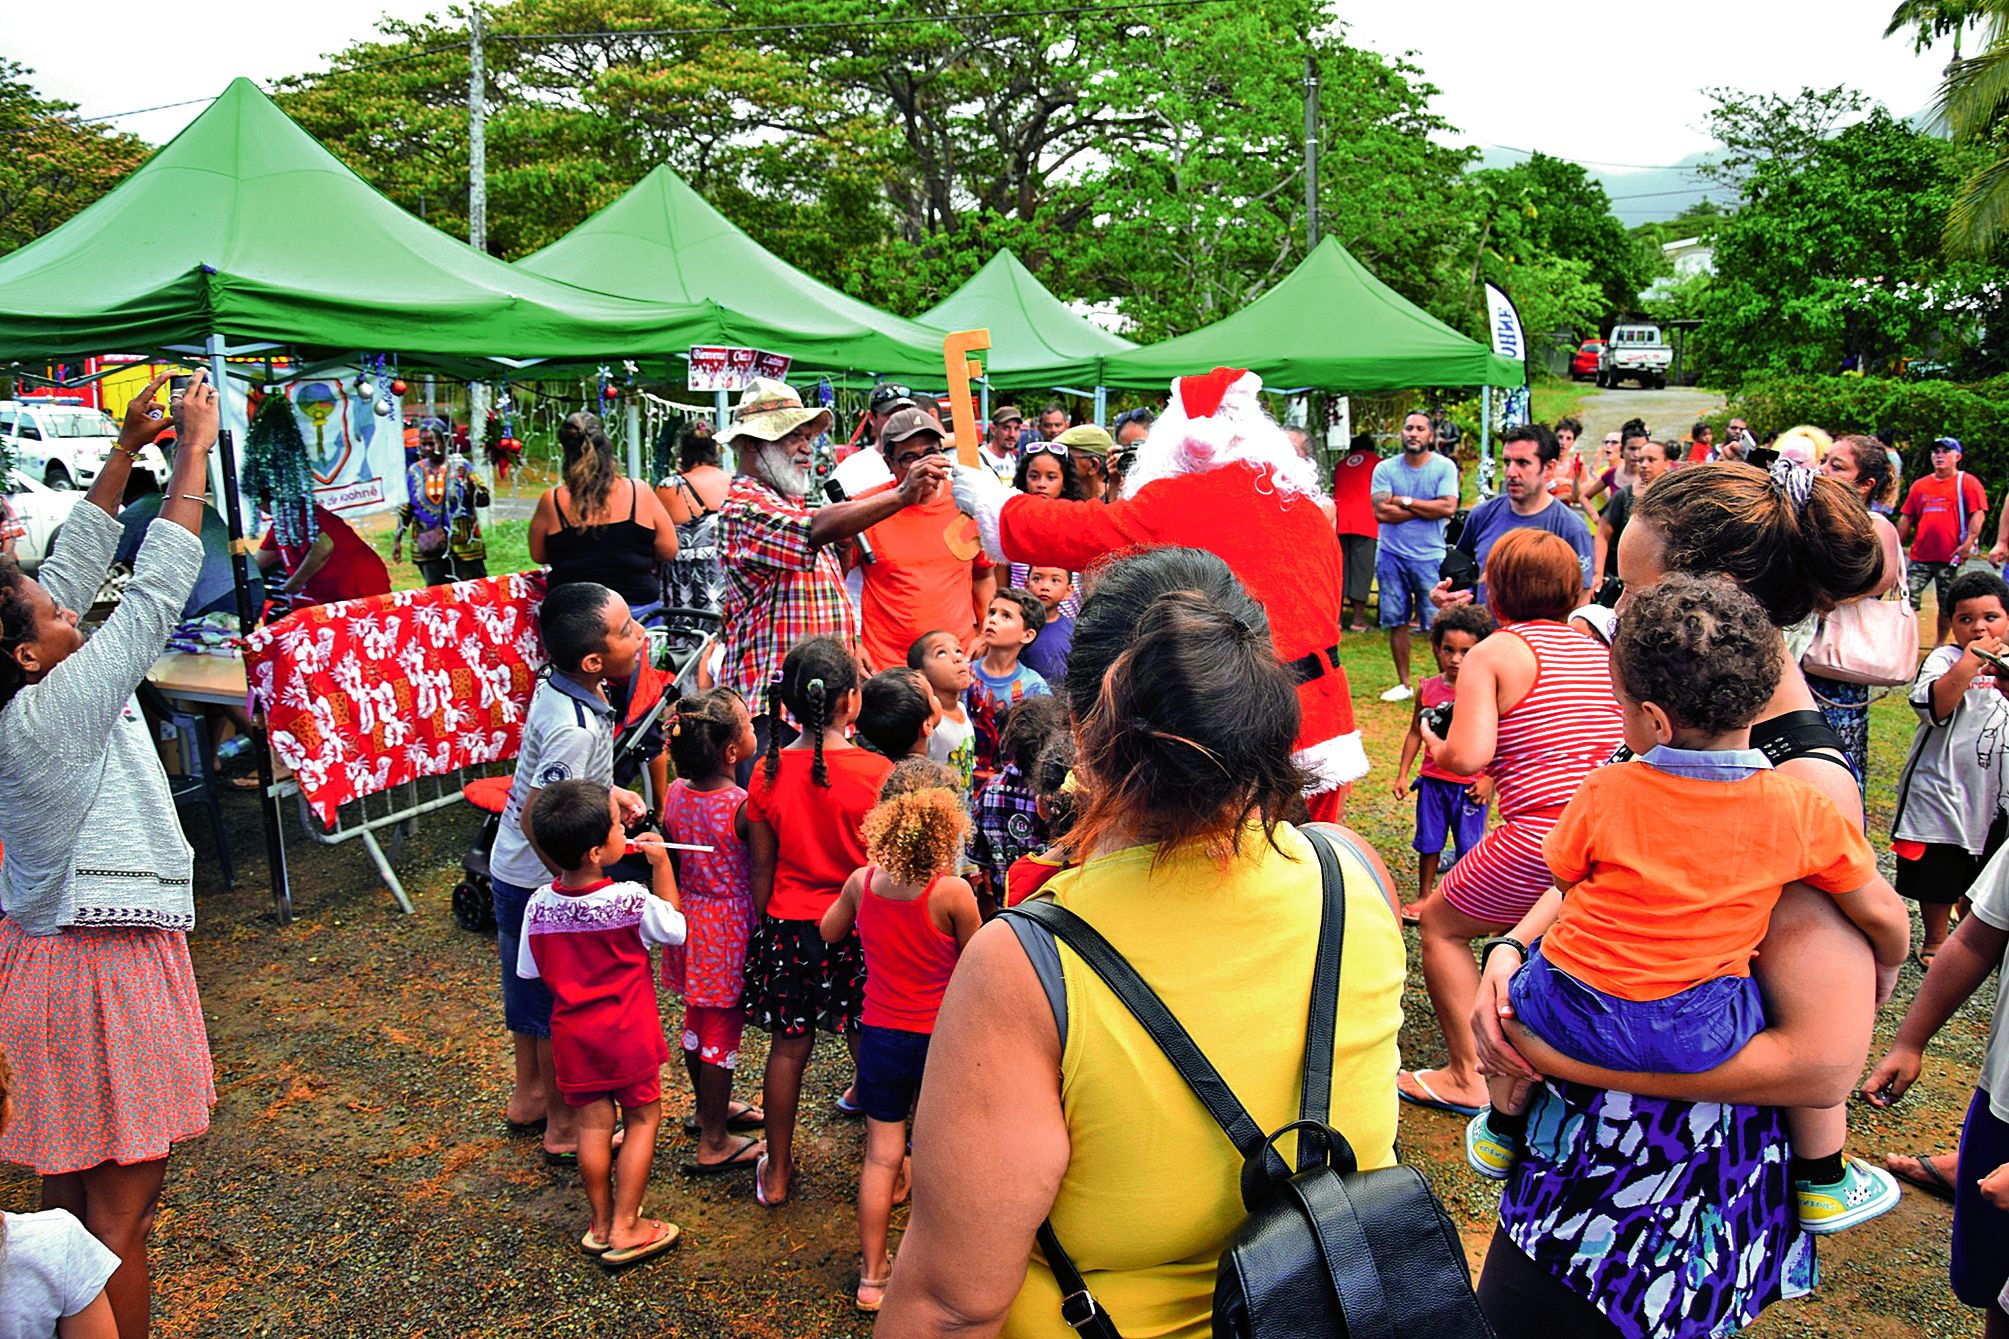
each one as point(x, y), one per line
point(1327, 1249)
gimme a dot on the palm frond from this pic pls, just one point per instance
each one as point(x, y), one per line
point(1979, 217)
point(1976, 91)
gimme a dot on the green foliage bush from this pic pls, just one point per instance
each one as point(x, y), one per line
point(1910, 412)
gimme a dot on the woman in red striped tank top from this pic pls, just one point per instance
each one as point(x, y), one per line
point(913, 916)
point(1535, 712)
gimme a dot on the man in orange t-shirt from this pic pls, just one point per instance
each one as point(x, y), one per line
point(928, 572)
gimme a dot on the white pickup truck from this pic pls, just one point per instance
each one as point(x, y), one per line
point(63, 445)
point(1635, 353)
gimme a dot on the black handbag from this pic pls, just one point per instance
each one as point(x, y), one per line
point(1327, 1249)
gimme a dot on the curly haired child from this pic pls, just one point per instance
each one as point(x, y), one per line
point(913, 916)
point(805, 814)
point(710, 733)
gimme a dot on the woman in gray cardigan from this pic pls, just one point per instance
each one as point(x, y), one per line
point(98, 1009)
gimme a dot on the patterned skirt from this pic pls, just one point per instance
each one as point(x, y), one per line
point(709, 968)
point(1846, 708)
point(796, 983)
point(104, 1032)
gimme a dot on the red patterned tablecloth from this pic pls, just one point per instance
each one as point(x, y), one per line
point(368, 694)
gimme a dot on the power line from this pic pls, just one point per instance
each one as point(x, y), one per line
point(911, 21)
point(1595, 162)
point(1656, 195)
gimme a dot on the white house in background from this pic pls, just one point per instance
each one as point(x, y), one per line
point(1688, 257)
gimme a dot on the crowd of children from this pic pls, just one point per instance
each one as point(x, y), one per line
point(832, 893)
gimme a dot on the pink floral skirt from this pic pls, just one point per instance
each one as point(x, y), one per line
point(104, 1032)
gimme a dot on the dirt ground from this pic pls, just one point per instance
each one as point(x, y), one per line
point(358, 1181)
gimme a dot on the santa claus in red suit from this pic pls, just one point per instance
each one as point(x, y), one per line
point(1215, 473)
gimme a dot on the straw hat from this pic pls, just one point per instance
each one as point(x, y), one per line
point(769, 410)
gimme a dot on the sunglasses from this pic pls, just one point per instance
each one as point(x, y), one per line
point(1027, 450)
point(890, 391)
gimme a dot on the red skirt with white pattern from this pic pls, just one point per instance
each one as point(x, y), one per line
point(104, 1032)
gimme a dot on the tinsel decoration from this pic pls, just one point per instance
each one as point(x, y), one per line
point(275, 468)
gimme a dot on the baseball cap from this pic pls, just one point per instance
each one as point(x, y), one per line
point(1948, 444)
point(1088, 439)
point(910, 423)
point(889, 394)
point(1007, 413)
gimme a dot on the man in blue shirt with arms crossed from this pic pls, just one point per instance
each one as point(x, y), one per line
point(1528, 456)
point(1414, 496)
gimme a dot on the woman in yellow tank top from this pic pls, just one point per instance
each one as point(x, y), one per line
point(1043, 1096)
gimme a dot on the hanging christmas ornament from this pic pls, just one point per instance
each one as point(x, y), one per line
point(398, 387)
point(365, 387)
point(610, 390)
point(386, 406)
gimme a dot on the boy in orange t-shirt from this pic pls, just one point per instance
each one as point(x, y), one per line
point(1645, 965)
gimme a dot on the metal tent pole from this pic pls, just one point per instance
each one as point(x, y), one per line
point(1101, 406)
point(247, 620)
point(1485, 426)
point(633, 428)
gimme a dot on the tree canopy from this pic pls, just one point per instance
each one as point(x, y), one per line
point(51, 164)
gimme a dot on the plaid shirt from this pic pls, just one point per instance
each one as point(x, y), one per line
point(1006, 826)
point(779, 589)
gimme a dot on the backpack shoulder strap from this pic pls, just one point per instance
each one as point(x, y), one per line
point(1322, 1026)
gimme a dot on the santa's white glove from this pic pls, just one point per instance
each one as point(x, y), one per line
point(981, 496)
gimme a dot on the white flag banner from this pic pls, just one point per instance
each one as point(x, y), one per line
point(1504, 320)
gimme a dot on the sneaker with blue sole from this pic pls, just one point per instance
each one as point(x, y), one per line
point(1491, 1156)
point(1863, 1193)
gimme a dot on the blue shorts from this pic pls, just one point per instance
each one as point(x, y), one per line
point(526, 1005)
point(1686, 1033)
point(889, 1071)
point(1980, 1263)
point(1446, 808)
point(1406, 584)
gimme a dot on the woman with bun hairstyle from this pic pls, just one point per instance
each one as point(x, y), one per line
point(599, 525)
point(805, 817)
point(1044, 1098)
point(1710, 1146)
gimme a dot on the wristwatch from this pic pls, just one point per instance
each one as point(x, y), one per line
point(1486, 948)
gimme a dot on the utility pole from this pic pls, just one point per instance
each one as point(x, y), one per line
point(477, 135)
point(1310, 151)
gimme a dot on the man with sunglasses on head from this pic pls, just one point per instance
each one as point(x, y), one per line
point(888, 398)
point(929, 572)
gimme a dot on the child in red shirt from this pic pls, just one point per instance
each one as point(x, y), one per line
point(913, 916)
point(1667, 869)
point(588, 938)
point(805, 813)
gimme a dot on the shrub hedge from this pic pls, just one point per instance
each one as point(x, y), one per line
point(1910, 413)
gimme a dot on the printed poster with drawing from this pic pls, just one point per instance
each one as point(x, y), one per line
point(356, 454)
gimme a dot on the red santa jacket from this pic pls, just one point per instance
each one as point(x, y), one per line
point(1280, 545)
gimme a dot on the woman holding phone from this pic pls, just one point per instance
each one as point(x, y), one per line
point(99, 1015)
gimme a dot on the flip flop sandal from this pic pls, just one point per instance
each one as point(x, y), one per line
point(1933, 1182)
point(848, 1110)
point(879, 1286)
point(592, 1245)
point(759, 1190)
point(648, 1250)
point(739, 1122)
point(569, 1159)
point(524, 1126)
point(1430, 1098)
point(1412, 913)
point(738, 1162)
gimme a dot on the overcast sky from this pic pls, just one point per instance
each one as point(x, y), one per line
point(1604, 84)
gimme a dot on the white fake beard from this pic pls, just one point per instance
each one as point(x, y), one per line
point(777, 468)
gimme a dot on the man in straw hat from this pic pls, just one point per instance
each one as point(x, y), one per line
point(784, 579)
point(1214, 472)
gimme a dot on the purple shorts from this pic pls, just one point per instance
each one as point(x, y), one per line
point(1688, 1032)
point(1980, 1261)
point(1445, 809)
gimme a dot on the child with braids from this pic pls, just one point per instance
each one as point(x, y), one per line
point(913, 916)
point(805, 813)
point(710, 735)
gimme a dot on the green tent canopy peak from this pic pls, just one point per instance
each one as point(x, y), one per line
point(1034, 335)
point(1329, 325)
point(244, 226)
point(663, 242)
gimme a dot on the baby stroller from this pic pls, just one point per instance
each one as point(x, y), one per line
point(678, 639)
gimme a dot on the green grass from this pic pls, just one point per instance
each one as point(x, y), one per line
point(1558, 399)
point(508, 548)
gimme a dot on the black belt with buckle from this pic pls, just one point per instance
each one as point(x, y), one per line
point(1311, 666)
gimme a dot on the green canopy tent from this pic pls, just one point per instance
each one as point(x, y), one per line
point(1035, 337)
point(244, 229)
point(1329, 325)
point(662, 242)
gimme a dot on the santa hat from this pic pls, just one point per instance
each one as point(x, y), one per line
point(1215, 419)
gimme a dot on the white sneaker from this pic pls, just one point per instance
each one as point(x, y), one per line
point(1399, 693)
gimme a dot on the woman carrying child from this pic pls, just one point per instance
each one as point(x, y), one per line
point(805, 815)
point(709, 735)
point(1612, 1149)
point(913, 916)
